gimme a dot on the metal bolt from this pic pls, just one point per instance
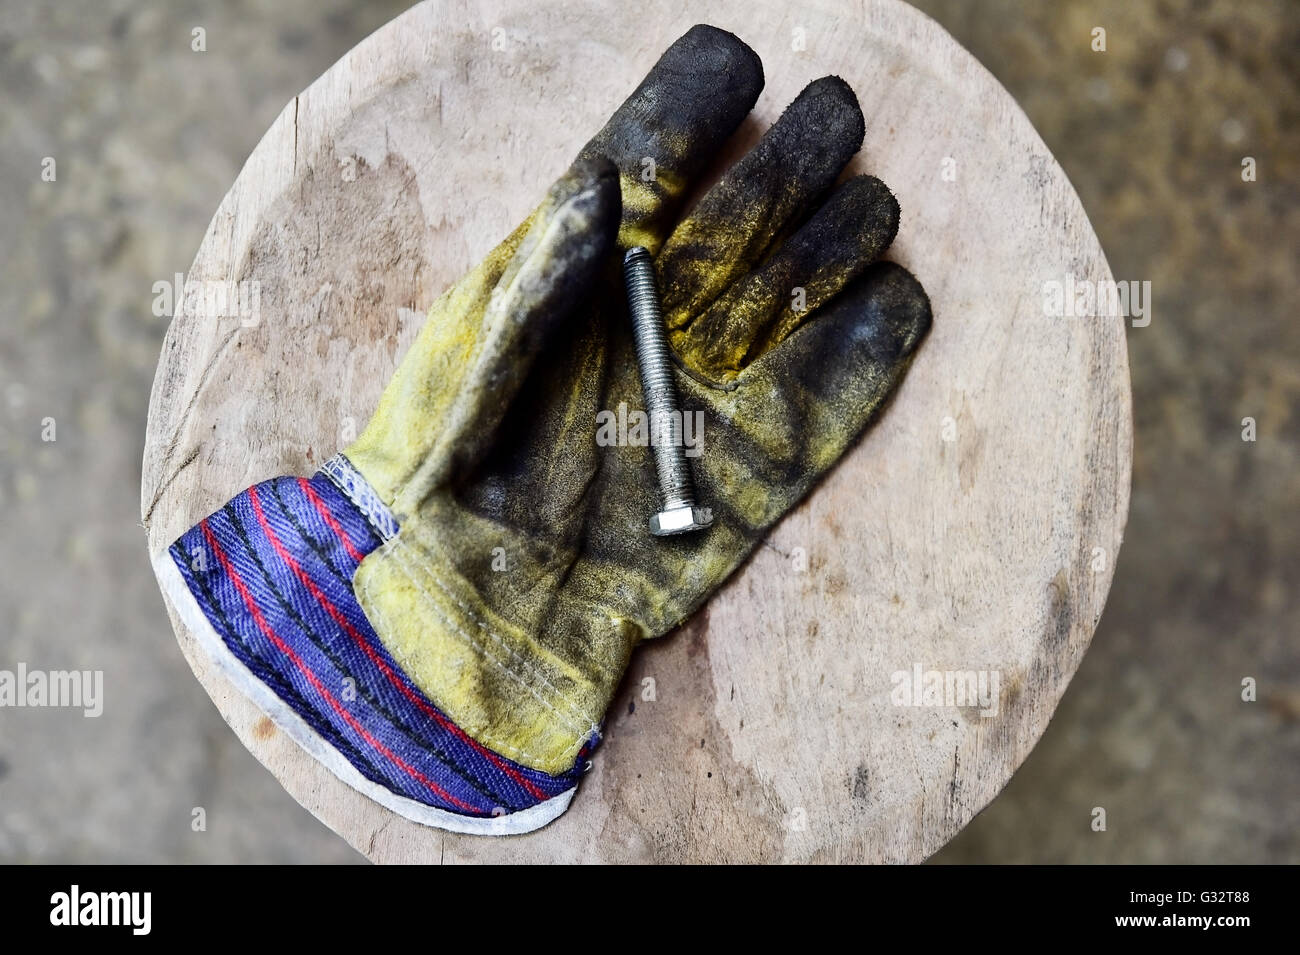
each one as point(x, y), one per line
point(678, 512)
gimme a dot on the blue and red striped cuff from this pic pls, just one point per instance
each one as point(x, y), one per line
point(270, 575)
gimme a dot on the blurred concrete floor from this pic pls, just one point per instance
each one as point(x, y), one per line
point(148, 136)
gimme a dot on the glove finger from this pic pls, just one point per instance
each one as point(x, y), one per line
point(557, 261)
point(793, 412)
point(743, 215)
point(850, 231)
point(674, 123)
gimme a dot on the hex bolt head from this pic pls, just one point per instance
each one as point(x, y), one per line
point(680, 520)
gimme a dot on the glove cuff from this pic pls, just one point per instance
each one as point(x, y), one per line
point(265, 585)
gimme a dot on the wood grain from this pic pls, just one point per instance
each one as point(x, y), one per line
point(975, 528)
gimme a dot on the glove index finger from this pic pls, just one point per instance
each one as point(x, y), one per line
point(673, 124)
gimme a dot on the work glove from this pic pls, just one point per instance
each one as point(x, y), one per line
point(443, 613)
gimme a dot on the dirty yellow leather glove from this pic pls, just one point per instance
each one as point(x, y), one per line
point(478, 563)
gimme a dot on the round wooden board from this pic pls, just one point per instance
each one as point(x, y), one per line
point(975, 528)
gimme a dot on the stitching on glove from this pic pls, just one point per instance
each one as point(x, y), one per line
point(481, 732)
point(344, 475)
point(529, 667)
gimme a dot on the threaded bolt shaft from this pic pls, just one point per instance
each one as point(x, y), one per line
point(676, 485)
